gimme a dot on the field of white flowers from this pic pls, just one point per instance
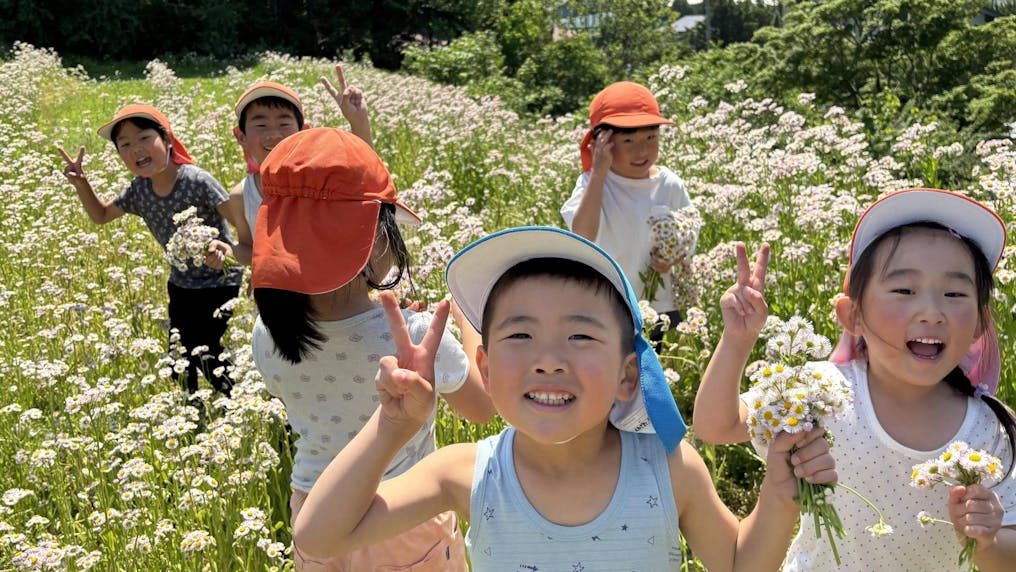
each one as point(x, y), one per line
point(103, 465)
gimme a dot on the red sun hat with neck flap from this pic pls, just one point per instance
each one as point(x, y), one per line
point(178, 153)
point(621, 104)
point(323, 189)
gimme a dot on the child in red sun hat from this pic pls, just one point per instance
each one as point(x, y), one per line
point(621, 186)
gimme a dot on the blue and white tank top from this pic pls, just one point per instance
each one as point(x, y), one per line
point(638, 531)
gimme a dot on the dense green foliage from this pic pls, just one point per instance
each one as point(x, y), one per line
point(125, 29)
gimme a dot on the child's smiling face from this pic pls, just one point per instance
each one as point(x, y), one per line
point(265, 126)
point(143, 151)
point(634, 154)
point(919, 313)
point(554, 362)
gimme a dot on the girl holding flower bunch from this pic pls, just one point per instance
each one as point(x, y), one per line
point(166, 182)
point(920, 352)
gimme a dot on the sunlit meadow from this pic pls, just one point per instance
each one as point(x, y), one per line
point(103, 465)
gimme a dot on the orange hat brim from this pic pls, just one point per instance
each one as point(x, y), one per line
point(178, 154)
point(326, 248)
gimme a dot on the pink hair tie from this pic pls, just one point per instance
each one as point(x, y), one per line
point(980, 391)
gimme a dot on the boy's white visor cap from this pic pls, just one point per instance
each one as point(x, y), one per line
point(473, 272)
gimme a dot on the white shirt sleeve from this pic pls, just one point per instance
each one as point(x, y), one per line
point(265, 357)
point(570, 206)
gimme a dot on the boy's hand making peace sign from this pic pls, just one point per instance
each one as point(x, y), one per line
point(351, 103)
point(743, 304)
point(405, 382)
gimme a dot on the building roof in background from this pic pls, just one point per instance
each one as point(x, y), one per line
point(685, 23)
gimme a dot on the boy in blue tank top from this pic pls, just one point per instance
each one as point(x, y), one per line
point(593, 473)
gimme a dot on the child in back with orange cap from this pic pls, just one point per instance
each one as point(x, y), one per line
point(267, 113)
point(327, 234)
point(167, 182)
point(621, 186)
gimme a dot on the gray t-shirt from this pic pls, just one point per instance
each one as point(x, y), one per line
point(194, 187)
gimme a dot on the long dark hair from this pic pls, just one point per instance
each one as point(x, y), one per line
point(984, 284)
point(289, 316)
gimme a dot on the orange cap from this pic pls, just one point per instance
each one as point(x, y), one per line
point(267, 89)
point(178, 153)
point(621, 104)
point(323, 190)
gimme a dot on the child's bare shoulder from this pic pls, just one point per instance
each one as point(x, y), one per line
point(689, 476)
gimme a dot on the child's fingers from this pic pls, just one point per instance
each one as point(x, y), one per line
point(815, 437)
point(397, 324)
point(785, 442)
point(743, 272)
point(341, 78)
point(432, 339)
point(733, 301)
point(65, 156)
point(979, 507)
point(761, 264)
point(329, 87)
point(753, 300)
point(956, 494)
point(412, 305)
point(817, 469)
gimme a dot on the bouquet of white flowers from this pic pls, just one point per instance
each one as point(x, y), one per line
point(789, 394)
point(672, 235)
point(958, 465)
point(189, 244)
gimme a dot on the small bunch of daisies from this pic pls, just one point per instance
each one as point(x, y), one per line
point(189, 244)
point(958, 465)
point(790, 395)
point(672, 237)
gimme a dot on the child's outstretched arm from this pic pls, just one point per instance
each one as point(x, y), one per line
point(98, 210)
point(243, 250)
point(976, 512)
point(471, 400)
point(759, 542)
point(719, 415)
point(349, 507)
point(352, 105)
point(586, 222)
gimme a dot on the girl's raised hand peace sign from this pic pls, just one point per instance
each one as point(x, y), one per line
point(743, 305)
point(405, 382)
point(73, 171)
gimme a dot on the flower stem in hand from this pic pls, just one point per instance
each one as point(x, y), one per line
point(651, 281)
point(811, 498)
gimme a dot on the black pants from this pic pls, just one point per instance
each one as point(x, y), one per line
point(191, 313)
point(656, 335)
